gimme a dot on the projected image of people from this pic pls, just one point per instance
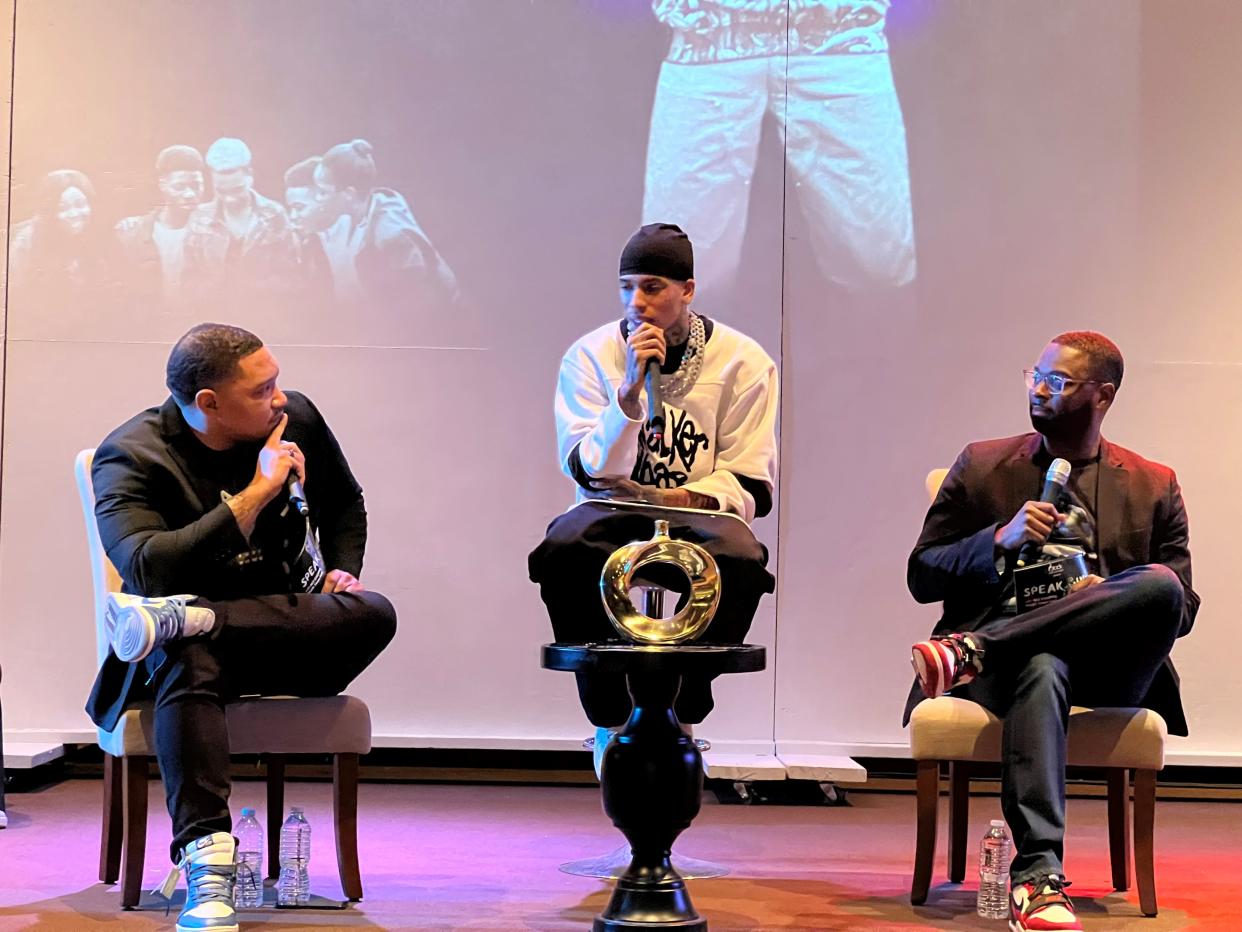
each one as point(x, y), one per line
point(371, 241)
point(62, 250)
point(152, 245)
point(300, 202)
point(239, 238)
point(820, 70)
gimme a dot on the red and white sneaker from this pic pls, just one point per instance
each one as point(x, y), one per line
point(942, 663)
point(1042, 905)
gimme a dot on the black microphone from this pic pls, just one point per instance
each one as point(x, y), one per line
point(1054, 484)
point(297, 498)
point(655, 399)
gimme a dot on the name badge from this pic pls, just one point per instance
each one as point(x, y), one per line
point(1045, 583)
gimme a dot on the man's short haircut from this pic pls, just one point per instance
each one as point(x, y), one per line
point(207, 355)
point(178, 159)
point(351, 164)
point(1106, 362)
point(228, 155)
point(302, 175)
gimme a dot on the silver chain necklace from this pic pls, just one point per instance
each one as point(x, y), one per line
point(677, 383)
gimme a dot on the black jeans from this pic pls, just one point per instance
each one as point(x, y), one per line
point(567, 567)
point(279, 645)
point(1101, 646)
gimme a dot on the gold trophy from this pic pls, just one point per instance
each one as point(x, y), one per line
point(618, 578)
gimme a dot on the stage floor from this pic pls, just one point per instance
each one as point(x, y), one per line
point(485, 857)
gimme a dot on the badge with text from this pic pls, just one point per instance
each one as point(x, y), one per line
point(1043, 583)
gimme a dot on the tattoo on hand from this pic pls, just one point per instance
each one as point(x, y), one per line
point(687, 498)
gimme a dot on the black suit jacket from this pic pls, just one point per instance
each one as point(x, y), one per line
point(166, 530)
point(1141, 520)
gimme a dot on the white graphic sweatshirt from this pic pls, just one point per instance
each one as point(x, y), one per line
point(724, 426)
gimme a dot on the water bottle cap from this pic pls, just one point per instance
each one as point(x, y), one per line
point(247, 812)
point(998, 823)
point(295, 810)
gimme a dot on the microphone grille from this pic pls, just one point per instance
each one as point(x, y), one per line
point(1059, 471)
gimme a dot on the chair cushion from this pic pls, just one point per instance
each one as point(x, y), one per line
point(271, 725)
point(949, 728)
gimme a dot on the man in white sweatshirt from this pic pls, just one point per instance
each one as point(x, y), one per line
point(716, 454)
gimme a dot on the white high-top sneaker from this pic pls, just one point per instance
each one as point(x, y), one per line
point(136, 625)
point(210, 865)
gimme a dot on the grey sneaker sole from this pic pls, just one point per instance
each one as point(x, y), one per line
point(130, 632)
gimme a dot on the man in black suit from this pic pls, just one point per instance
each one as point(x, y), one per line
point(1105, 643)
point(228, 589)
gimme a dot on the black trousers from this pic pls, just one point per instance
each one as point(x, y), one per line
point(568, 564)
point(279, 645)
point(1101, 646)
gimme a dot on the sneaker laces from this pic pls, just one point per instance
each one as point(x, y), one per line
point(964, 653)
point(208, 883)
point(205, 883)
point(246, 874)
point(1046, 891)
point(169, 618)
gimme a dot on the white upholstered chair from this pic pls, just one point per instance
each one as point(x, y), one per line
point(339, 726)
point(960, 734)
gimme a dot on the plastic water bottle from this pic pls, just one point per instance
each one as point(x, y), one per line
point(994, 854)
point(248, 893)
point(293, 887)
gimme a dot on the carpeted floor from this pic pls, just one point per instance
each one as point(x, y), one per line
point(486, 857)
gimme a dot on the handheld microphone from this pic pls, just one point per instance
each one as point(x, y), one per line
point(1054, 484)
point(655, 400)
point(297, 498)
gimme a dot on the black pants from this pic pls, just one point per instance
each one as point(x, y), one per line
point(286, 645)
point(568, 564)
point(1098, 647)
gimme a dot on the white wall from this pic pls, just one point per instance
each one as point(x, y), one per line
point(1047, 196)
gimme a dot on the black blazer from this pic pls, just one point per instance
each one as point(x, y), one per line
point(166, 531)
point(1141, 520)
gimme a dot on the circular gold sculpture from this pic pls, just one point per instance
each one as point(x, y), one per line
point(618, 576)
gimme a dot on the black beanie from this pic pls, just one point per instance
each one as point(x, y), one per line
point(659, 249)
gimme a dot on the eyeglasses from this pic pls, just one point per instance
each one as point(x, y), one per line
point(1056, 383)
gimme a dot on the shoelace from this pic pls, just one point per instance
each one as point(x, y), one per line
point(209, 886)
point(1048, 891)
point(210, 882)
point(246, 875)
point(965, 654)
point(169, 617)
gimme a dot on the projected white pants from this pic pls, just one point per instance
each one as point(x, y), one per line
point(845, 151)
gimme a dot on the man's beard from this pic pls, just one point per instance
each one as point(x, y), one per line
point(1071, 425)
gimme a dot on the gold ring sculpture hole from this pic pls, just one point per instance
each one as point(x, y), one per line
point(700, 570)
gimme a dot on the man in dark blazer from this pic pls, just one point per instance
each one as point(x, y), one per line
point(228, 589)
point(1121, 520)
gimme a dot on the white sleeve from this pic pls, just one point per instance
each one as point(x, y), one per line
point(745, 446)
point(589, 417)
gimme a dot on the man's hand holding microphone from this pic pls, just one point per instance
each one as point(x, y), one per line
point(281, 469)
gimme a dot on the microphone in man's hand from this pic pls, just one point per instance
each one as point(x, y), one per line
point(1054, 484)
point(297, 498)
point(655, 400)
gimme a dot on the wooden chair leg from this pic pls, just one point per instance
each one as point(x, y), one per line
point(959, 818)
point(1119, 826)
point(1144, 838)
point(135, 806)
point(925, 834)
point(275, 811)
point(113, 829)
point(345, 819)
